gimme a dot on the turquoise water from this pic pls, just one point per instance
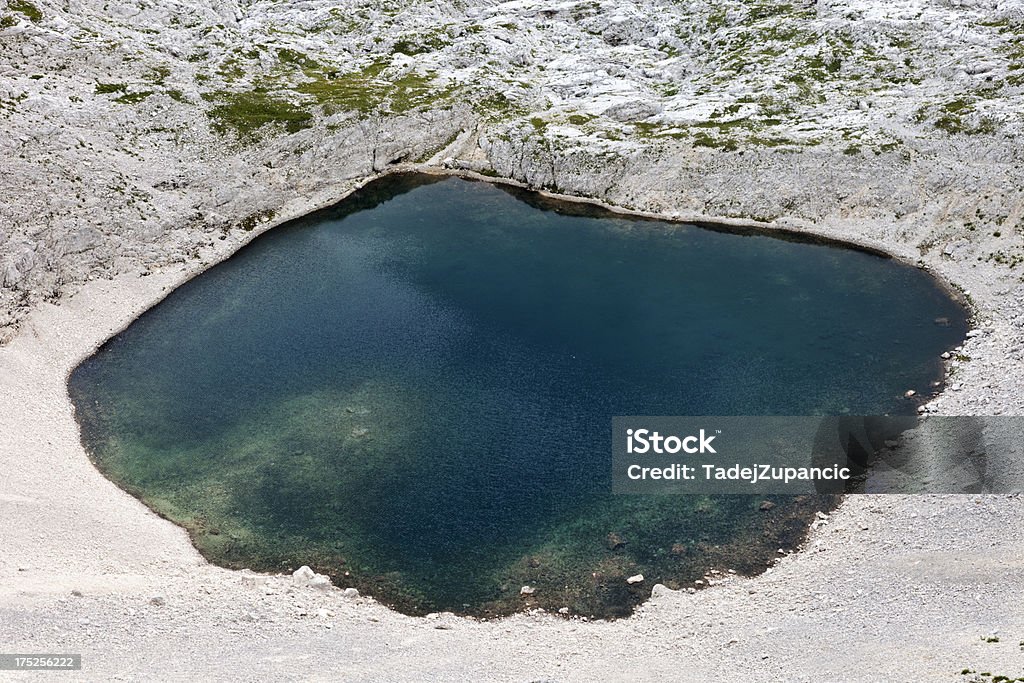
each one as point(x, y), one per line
point(413, 391)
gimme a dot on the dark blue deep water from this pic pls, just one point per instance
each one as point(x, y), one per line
point(413, 391)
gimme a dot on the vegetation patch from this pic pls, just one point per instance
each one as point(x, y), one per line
point(158, 75)
point(109, 88)
point(252, 220)
point(497, 107)
point(246, 113)
point(367, 90)
point(9, 105)
point(412, 44)
point(292, 57)
point(31, 12)
point(231, 70)
point(957, 117)
point(134, 97)
point(989, 676)
point(702, 139)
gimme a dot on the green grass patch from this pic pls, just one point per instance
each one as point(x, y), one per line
point(158, 75)
point(716, 20)
point(31, 12)
point(579, 119)
point(231, 70)
point(294, 58)
point(957, 105)
point(366, 91)
point(957, 117)
point(412, 44)
point(133, 98)
point(110, 88)
point(765, 141)
point(702, 139)
point(726, 125)
point(496, 107)
point(246, 113)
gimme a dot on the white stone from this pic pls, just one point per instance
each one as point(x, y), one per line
point(320, 582)
point(303, 575)
point(660, 590)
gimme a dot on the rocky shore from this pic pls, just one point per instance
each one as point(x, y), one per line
point(140, 143)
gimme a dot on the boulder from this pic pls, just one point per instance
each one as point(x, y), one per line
point(660, 590)
point(633, 110)
point(320, 582)
point(303, 575)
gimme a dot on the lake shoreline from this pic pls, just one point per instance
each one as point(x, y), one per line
point(129, 564)
point(234, 528)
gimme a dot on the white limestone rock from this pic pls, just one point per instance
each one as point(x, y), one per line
point(303, 575)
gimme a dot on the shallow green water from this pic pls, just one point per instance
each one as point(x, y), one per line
point(416, 388)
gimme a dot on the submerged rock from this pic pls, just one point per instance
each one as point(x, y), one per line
point(615, 542)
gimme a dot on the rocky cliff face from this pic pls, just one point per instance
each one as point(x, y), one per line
point(136, 134)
